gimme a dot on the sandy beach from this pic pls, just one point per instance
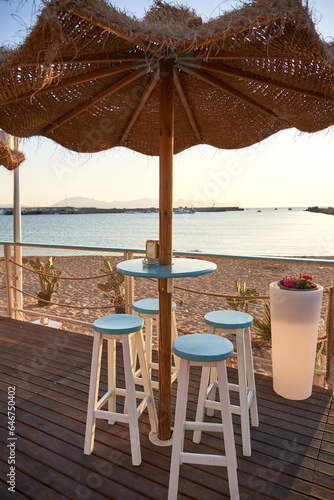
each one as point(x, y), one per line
point(87, 303)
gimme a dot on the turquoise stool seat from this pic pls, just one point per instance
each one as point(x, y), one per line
point(202, 347)
point(119, 324)
point(238, 323)
point(149, 306)
point(228, 320)
point(206, 351)
point(148, 309)
point(126, 328)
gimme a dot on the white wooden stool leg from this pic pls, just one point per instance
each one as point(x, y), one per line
point(131, 401)
point(202, 395)
point(93, 393)
point(112, 376)
point(212, 395)
point(174, 336)
point(251, 379)
point(133, 354)
point(152, 414)
point(213, 378)
point(148, 344)
point(178, 434)
point(133, 351)
point(245, 430)
point(230, 453)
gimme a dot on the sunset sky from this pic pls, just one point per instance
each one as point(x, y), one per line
point(288, 169)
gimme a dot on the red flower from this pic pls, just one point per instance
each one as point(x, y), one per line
point(304, 281)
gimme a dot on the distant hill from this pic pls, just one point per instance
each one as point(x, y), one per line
point(80, 201)
point(83, 202)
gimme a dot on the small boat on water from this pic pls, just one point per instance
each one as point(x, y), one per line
point(181, 210)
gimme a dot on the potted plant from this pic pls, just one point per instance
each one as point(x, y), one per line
point(301, 282)
point(48, 279)
point(114, 284)
point(294, 330)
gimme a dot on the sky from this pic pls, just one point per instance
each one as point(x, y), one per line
point(288, 169)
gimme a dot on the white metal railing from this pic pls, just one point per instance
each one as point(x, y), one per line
point(14, 294)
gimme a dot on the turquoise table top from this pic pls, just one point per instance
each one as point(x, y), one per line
point(181, 268)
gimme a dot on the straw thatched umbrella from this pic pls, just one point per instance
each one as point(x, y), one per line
point(92, 78)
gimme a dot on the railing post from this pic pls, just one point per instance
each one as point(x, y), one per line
point(18, 297)
point(330, 340)
point(129, 287)
point(9, 280)
point(17, 280)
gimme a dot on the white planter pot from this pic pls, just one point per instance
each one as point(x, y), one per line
point(295, 318)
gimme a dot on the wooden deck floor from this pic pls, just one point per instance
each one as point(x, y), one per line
point(292, 449)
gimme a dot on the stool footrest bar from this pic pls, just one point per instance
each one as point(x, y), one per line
point(154, 366)
point(142, 406)
point(203, 459)
point(233, 387)
point(215, 405)
point(236, 410)
point(155, 384)
point(111, 415)
point(103, 400)
point(118, 392)
point(203, 426)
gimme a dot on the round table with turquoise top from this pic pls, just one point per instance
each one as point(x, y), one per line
point(181, 268)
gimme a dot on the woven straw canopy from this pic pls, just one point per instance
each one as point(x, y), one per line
point(87, 76)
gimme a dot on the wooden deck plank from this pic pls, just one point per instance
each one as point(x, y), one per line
point(274, 434)
point(292, 450)
point(38, 439)
point(31, 488)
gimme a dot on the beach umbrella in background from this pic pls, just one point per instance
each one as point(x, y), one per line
point(91, 78)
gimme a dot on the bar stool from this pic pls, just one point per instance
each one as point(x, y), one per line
point(239, 323)
point(120, 327)
point(206, 351)
point(148, 309)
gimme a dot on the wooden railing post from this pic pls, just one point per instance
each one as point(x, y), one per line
point(9, 280)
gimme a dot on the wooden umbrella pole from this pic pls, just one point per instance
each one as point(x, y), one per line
point(165, 245)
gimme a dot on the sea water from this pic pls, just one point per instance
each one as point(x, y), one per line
point(256, 232)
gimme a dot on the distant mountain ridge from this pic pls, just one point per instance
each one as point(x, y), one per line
point(82, 202)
